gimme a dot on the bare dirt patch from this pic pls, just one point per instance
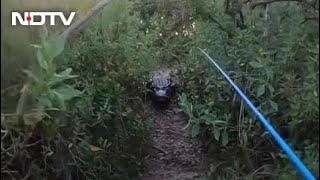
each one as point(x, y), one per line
point(174, 154)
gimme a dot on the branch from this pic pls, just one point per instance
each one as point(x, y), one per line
point(160, 149)
point(271, 1)
point(83, 22)
point(21, 104)
point(315, 18)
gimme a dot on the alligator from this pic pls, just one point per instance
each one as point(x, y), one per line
point(162, 87)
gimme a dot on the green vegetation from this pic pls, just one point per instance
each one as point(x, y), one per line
point(80, 113)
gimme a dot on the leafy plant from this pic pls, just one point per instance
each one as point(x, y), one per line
point(200, 115)
point(45, 84)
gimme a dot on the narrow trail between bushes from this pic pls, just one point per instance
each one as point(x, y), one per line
point(174, 155)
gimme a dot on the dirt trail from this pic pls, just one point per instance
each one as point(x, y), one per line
point(175, 155)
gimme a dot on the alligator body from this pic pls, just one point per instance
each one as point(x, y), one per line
point(162, 87)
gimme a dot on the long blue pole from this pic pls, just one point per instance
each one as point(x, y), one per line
point(292, 156)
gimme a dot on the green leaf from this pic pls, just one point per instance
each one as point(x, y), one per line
point(59, 99)
point(195, 130)
point(273, 105)
point(255, 64)
point(186, 105)
point(94, 148)
point(208, 118)
point(45, 102)
point(271, 89)
point(36, 46)
point(183, 97)
point(64, 75)
point(219, 122)
point(225, 138)
point(216, 132)
point(67, 92)
point(54, 47)
point(261, 90)
point(265, 134)
point(315, 93)
point(269, 72)
point(41, 59)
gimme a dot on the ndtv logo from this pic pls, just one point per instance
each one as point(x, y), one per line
point(29, 17)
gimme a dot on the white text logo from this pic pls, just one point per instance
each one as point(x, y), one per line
point(28, 19)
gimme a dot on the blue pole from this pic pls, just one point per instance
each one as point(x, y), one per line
point(292, 156)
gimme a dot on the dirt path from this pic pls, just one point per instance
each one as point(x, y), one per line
point(175, 155)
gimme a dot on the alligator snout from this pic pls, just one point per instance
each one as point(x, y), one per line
point(161, 93)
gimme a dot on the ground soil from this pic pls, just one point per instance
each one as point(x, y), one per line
point(174, 154)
